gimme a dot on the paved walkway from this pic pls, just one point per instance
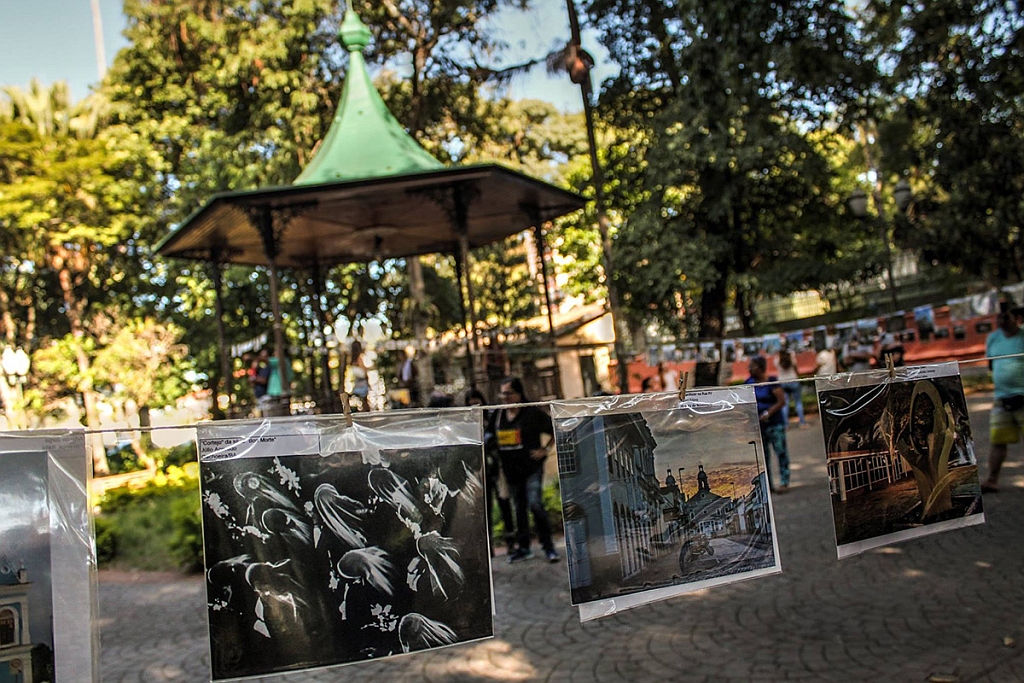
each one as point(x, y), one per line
point(945, 608)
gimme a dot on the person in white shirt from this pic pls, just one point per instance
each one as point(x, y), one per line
point(790, 379)
point(667, 379)
point(826, 362)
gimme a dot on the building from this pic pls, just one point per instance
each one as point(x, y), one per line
point(754, 507)
point(709, 512)
point(613, 502)
point(15, 635)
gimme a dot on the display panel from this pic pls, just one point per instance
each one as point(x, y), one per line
point(901, 459)
point(662, 497)
point(355, 549)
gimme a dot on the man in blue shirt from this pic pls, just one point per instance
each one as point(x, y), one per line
point(1007, 417)
point(770, 401)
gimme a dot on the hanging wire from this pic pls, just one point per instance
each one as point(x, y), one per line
point(541, 404)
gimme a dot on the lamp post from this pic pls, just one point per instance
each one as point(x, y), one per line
point(858, 203)
point(15, 364)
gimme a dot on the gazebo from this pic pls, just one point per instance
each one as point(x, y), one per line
point(370, 193)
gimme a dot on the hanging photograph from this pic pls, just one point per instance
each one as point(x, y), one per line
point(901, 460)
point(26, 594)
point(318, 560)
point(660, 498)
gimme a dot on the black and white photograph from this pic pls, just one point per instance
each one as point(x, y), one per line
point(901, 460)
point(26, 593)
point(313, 561)
point(663, 498)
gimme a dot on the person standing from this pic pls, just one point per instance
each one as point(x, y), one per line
point(826, 363)
point(497, 485)
point(360, 376)
point(790, 378)
point(260, 373)
point(667, 379)
point(856, 356)
point(408, 376)
point(770, 401)
point(524, 437)
point(1007, 416)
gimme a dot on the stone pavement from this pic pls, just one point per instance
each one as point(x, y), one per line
point(945, 608)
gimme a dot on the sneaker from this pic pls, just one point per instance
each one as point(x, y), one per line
point(552, 556)
point(520, 555)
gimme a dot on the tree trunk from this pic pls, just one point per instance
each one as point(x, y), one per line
point(73, 312)
point(743, 310)
point(712, 305)
point(10, 333)
point(424, 367)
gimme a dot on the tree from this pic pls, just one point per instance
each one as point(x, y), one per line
point(444, 42)
point(951, 117)
point(720, 98)
point(142, 360)
point(63, 207)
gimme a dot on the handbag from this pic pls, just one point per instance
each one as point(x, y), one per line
point(1012, 403)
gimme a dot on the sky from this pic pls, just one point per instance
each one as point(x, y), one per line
point(53, 40)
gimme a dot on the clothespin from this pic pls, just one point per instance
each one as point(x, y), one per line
point(682, 386)
point(890, 366)
point(346, 408)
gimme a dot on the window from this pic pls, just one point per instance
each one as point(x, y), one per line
point(8, 627)
point(567, 455)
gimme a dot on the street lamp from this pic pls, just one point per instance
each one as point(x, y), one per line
point(15, 364)
point(858, 203)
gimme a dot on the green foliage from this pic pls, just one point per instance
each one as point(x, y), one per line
point(952, 117)
point(143, 360)
point(506, 291)
point(155, 527)
point(720, 99)
point(106, 540)
point(176, 456)
point(186, 542)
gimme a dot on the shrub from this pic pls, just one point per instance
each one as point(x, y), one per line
point(154, 527)
point(186, 543)
point(106, 540)
point(176, 456)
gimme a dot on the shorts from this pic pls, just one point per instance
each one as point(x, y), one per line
point(1005, 426)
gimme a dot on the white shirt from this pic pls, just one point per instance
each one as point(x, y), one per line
point(826, 360)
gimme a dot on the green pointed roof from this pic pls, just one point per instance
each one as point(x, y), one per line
point(365, 140)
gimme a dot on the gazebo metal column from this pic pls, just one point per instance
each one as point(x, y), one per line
point(218, 291)
point(460, 274)
point(264, 220)
point(317, 278)
point(462, 194)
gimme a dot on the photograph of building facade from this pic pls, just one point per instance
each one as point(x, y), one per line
point(661, 498)
point(901, 458)
point(26, 602)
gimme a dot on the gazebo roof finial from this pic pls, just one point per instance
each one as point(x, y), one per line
point(355, 36)
point(365, 140)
